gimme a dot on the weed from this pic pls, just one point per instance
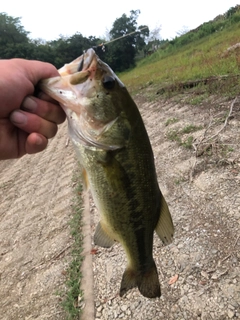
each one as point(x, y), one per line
point(198, 99)
point(173, 135)
point(73, 273)
point(191, 128)
point(179, 180)
point(187, 143)
point(170, 121)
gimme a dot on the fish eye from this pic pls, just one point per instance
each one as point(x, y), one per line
point(108, 82)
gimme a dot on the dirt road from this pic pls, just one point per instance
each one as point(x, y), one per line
point(203, 196)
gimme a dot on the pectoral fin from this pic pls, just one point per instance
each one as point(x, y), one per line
point(165, 228)
point(101, 238)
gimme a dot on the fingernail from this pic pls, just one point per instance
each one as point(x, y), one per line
point(29, 104)
point(18, 118)
point(38, 140)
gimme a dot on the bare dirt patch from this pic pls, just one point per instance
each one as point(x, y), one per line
point(203, 196)
point(35, 197)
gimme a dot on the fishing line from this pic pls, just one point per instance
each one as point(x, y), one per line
point(119, 38)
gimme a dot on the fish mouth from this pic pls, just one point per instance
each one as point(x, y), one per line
point(88, 60)
point(74, 82)
point(64, 87)
point(79, 82)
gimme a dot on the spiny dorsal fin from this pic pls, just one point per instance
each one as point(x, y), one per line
point(101, 238)
point(165, 228)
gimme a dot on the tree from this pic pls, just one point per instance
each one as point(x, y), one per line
point(125, 41)
point(14, 40)
point(154, 34)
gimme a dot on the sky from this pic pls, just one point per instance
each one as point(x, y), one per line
point(48, 19)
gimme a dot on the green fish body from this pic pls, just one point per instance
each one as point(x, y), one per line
point(117, 163)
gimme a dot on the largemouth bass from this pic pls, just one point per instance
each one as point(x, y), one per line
point(117, 162)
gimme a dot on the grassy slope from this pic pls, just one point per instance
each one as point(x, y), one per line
point(199, 59)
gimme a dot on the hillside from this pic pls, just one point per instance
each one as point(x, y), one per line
point(212, 51)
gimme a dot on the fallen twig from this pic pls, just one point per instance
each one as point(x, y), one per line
point(225, 122)
point(67, 142)
point(205, 140)
point(236, 242)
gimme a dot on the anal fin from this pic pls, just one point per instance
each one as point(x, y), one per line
point(101, 238)
point(165, 228)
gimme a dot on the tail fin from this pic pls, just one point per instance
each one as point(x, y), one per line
point(147, 282)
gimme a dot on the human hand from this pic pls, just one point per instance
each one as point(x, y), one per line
point(26, 121)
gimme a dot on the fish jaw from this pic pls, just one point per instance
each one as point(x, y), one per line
point(83, 96)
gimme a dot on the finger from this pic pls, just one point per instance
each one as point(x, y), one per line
point(43, 96)
point(30, 123)
point(35, 143)
point(45, 109)
point(35, 70)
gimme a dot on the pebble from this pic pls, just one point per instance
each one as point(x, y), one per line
point(231, 314)
point(124, 308)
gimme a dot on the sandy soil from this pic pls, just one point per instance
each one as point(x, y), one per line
point(203, 196)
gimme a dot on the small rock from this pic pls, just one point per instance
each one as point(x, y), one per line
point(231, 307)
point(99, 309)
point(230, 314)
point(204, 274)
point(124, 308)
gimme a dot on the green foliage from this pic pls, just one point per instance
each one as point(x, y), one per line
point(187, 143)
point(208, 28)
point(190, 128)
point(13, 38)
point(120, 54)
point(170, 121)
point(176, 135)
point(194, 54)
point(204, 58)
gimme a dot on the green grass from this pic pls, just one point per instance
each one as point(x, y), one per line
point(71, 296)
point(171, 121)
point(187, 143)
point(197, 60)
point(191, 128)
point(176, 135)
